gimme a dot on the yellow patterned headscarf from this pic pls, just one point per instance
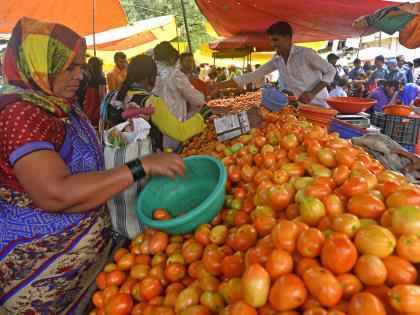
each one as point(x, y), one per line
point(37, 52)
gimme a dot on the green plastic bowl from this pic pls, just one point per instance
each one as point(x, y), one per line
point(200, 194)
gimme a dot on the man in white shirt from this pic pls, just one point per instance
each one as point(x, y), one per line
point(303, 70)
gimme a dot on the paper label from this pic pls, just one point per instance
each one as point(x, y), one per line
point(231, 126)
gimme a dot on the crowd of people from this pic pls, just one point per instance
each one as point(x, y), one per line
point(388, 82)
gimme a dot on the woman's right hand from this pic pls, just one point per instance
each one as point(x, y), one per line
point(163, 164)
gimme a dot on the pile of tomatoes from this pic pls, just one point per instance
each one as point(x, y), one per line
point(311, 225)
point(235, 105)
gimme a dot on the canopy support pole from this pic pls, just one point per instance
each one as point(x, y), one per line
point(93, 26)
point(186, 26)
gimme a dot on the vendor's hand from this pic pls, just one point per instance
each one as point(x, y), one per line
point(163, 164)
point(306, 97)
point(415, 160)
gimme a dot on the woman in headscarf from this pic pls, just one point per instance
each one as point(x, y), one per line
point(54, 231)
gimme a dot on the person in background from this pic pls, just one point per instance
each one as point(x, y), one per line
point(174, 87)
point(346, 71)
point(407, 94)
point(384, 94)
point(83, 85)
point(186, 65)
point(403, 67)
point(339, 91)
point(332, 59)
point(211, 77)
point(394, 73)
point(221, 76)
point(416, 71)
point(367, 70)
point(135, 96)
point(95, 91)
point(55, 232)
point(234, 72)
point(357, 69)
point(380, 72)
point(249, 86)
point(304, 71)
point(116, 77)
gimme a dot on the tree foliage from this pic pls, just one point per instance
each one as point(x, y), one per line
point(138, 10)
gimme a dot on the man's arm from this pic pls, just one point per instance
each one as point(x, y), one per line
point(327, 70)
point(246, 78)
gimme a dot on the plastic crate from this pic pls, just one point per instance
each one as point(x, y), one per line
point(401, 129)
point(345, 130)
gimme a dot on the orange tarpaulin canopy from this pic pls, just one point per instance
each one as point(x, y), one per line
point(76, 14)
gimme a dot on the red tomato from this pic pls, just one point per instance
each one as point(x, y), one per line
point(150, 287)
point(304, 264)
point(284, 235)
point(264, 224)
point(399, 271)
point(340, 174)
point(349, 284)
point(160, 214)
point(279, 262)
point(322, 284)
point(406, 298)
point(333, 204)
point(365, 303)
point(121, 304)
point(158, 242)
point(233, 266)
point(345, 156)
point(212, 261)
point(175, 272)
point(370, 270)
point(338, 254)
point(242, 308)
point(287, 293)
point(408, 247)
point(354, 186)
point(366, 206)
point(245, 237)
point(309, 242)
point(115, 277)
point(327, 157)
point(404, 197)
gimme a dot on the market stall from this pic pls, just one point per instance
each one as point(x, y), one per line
point(310, 224)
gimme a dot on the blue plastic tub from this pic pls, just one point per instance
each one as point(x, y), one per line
point(345, 130)
point(199, 194)
point(273, 99)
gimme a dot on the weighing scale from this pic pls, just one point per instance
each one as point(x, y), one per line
point(360, 120)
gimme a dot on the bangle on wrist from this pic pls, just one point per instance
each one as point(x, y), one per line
point(205, 112)
point(136, 169)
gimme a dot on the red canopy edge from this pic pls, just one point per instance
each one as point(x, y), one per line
point(315, 20)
